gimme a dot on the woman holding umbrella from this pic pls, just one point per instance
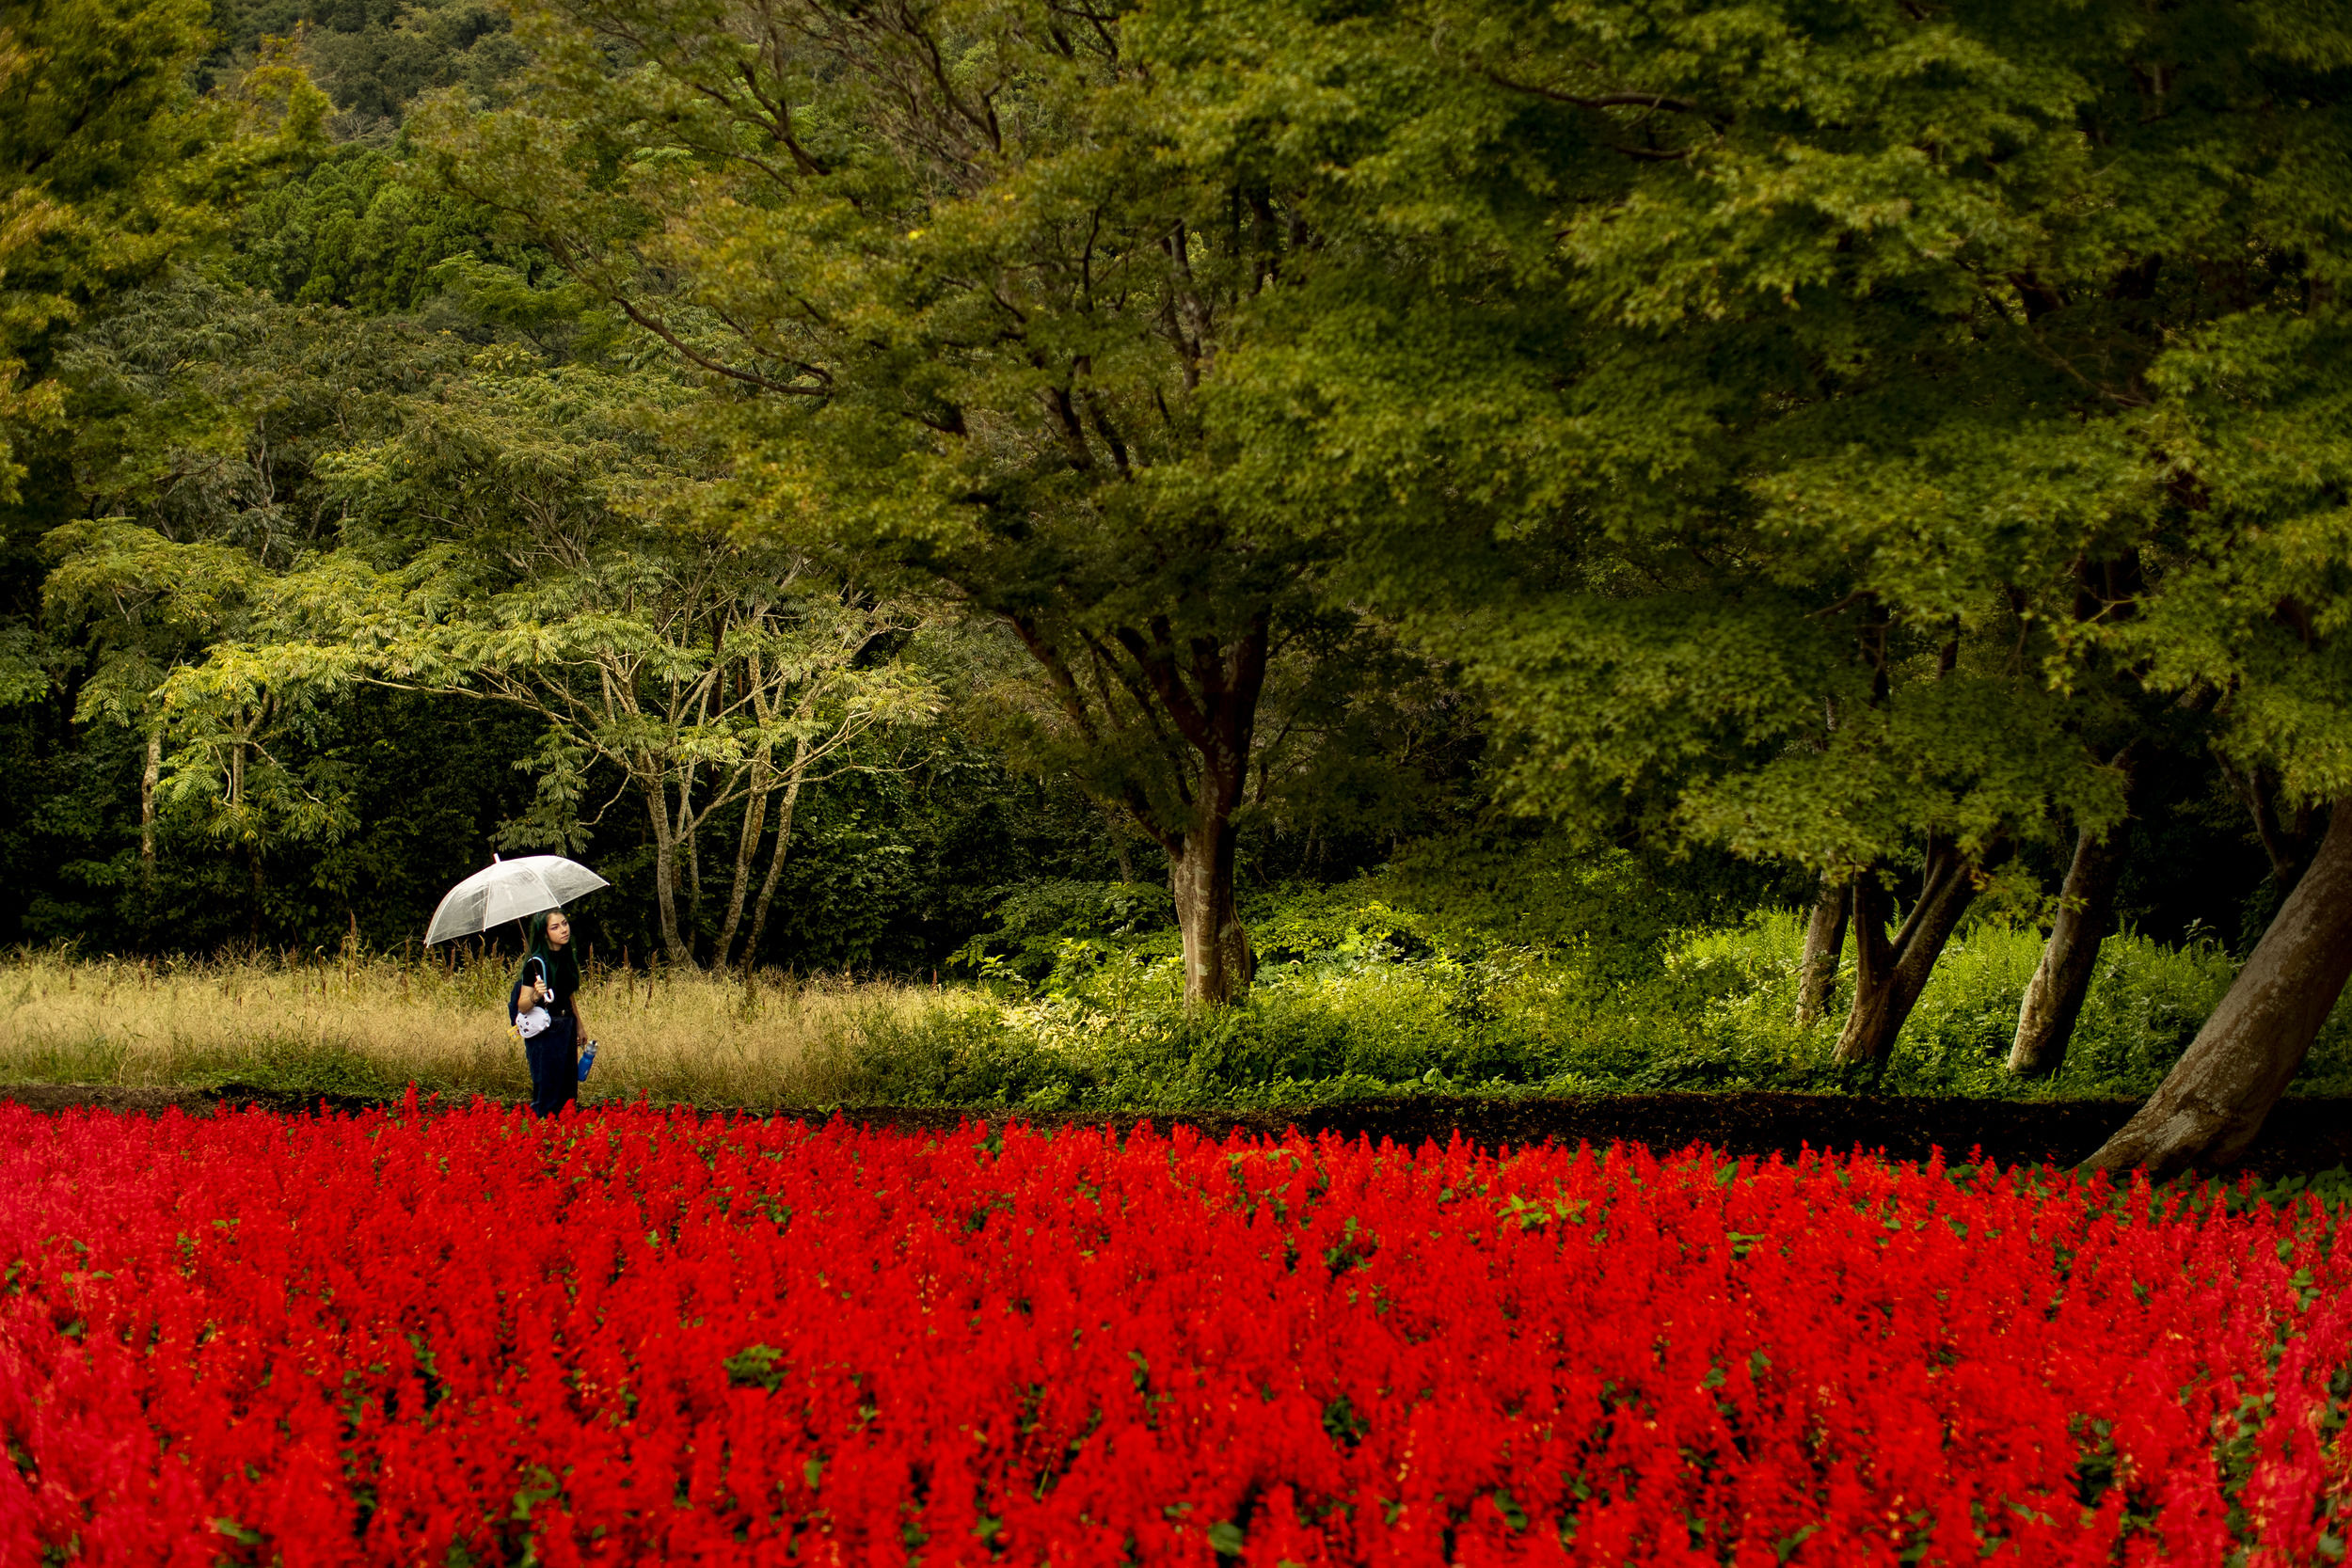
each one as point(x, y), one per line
point(540, 1005)
point(546, 983)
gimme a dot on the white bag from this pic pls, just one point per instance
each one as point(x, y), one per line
point(533, 1023)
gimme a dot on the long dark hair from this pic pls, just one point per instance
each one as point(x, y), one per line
point(560, 965)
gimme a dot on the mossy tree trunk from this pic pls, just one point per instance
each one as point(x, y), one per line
point(2053, 998)
point(1218, 718)
point(1890, 973)
point(1824, 942)
point(1217, 959)
point(2213, 1102)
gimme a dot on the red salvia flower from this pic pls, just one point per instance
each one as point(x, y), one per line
point(464, 1335)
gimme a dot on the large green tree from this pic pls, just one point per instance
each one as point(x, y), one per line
point(340, 583)
point(1810, 418)
point(1624, 402)
point(549, 560)
point(287, 502)
point(202, 416)
point(964, 298)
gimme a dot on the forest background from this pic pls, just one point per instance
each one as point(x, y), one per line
point(1303, 554)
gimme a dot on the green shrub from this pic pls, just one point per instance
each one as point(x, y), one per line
point(1359, 994)
point(1037, 921)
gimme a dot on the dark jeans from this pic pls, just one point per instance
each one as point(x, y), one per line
point(554, 1057)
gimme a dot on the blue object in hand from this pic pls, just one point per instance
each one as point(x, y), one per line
point(587, 1060)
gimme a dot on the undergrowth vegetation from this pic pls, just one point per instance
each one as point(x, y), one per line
point(1387, 986)
point(1358, 995)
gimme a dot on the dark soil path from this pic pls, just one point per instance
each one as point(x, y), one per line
point(2302, 1135)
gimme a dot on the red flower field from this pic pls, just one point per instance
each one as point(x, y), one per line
point(467, 1337)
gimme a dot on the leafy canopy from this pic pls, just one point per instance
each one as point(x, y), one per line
point(1825, 428)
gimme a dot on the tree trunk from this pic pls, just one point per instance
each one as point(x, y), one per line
point(1196, 698)
point(1218, 964)
point(1824, 941)
point(2053, 998)
point(1889, 975)
point(149, 780)
point(775, 860)
point(688, 840)
point(665, 872)
point(746, 849)
point(2212, 1103)
point(1218, 960)
point(2289, 845)
point(1118, 830)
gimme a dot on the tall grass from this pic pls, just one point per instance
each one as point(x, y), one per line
point(373, 1024)
point(1364, 1004)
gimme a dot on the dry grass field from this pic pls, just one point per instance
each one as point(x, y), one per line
point(371, 1025)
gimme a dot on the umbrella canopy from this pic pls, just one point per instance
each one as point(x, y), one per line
point(510, 890)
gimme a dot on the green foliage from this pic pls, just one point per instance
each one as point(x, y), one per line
point(1037, 922)
point(372, 57)
point(965, 308)
point(1824, 433)
point(205, 414)
point(229, 446)
point(1809, 447)
point(351, 232)
point(396, 50)
point(421, 817)
point(1366, 1005)
point(109, 166)
point(516, 536)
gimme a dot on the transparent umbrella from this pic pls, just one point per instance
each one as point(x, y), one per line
point(509, 890)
